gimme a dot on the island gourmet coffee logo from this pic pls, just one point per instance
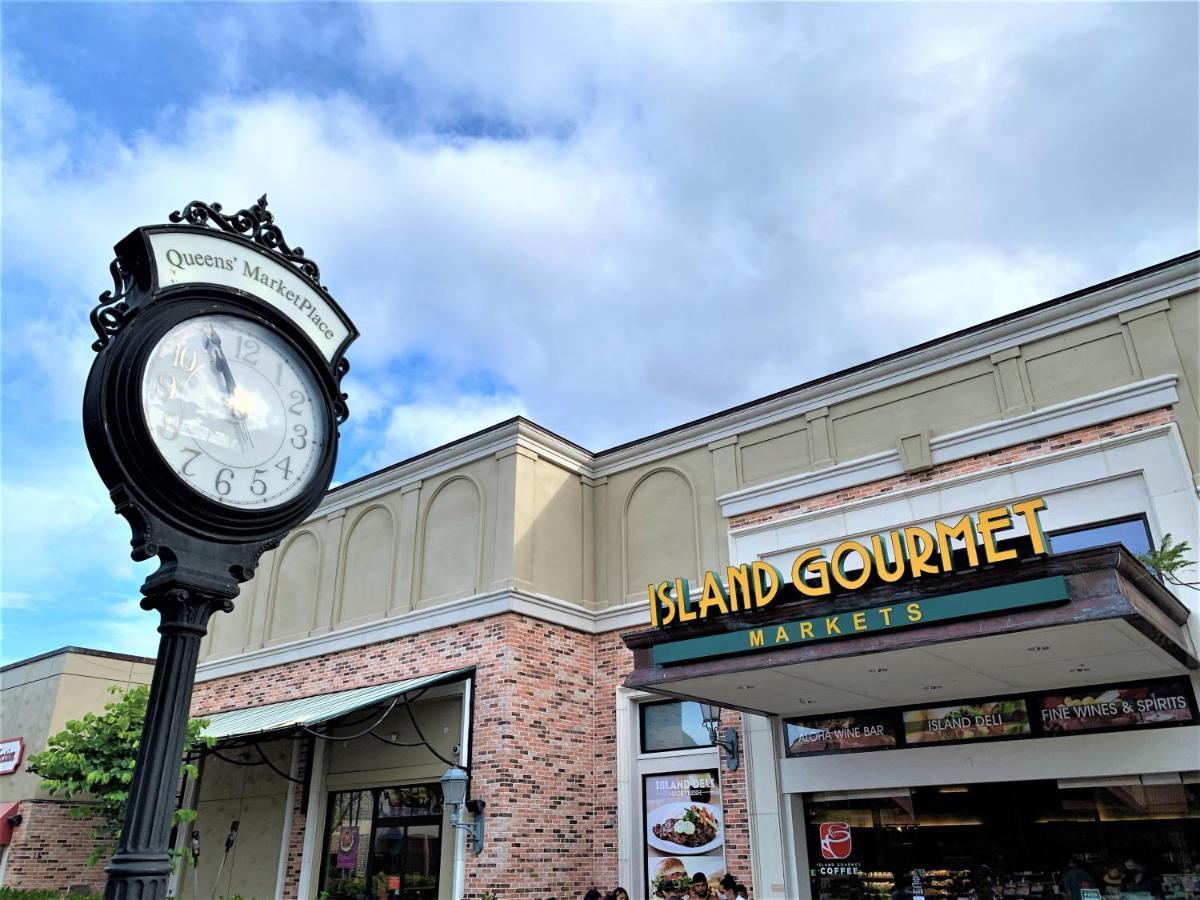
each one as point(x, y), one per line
point(835, 840)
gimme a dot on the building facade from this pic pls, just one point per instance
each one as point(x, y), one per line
point(41, 845)
point(485, 605)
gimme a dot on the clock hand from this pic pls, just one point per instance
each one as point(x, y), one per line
point(220, 365)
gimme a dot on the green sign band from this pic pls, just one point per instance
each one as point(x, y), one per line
point(867, 621)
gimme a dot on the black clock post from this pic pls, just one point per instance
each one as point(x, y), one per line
point(218, 351)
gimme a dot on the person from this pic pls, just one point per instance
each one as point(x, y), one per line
point(619, 893)
point(725, 888)
point(592, 894)
point(739, 890)
point(1076, 878)
point(699, 887)
point(1112, 882)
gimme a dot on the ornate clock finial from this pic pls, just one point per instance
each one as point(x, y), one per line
point(257, 222)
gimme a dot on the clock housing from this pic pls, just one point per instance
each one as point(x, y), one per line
point(215, 455)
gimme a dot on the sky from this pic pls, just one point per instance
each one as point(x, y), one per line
point(609, 219)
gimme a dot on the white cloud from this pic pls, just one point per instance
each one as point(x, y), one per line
point(422, 425)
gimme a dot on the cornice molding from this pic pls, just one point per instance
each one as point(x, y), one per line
point(446, 615)
point(1104, 406)
point(1151, 290)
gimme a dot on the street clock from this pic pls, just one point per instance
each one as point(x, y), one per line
point(211, 413)
point(212, 409)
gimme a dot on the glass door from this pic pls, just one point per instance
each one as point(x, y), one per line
point(384, 844)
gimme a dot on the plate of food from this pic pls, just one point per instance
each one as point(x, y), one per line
point(684, 828)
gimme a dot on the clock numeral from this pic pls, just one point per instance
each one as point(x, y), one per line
point(285, 466)
point(247, 350)
point(171, 423)
point(195, 456)
point(186, 358)
point(299, 397)
point(279, 373)
point(258, 487)
point(301, 436)
point(168, 385)
point(223, 483)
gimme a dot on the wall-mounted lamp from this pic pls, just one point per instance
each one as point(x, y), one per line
point(728, 741)
point(454, 795)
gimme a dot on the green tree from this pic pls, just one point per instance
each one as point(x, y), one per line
point(1169, 560)
point(93, 760)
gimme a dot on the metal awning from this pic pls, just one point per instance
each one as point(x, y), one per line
point(308, 711)
point(1088, 617)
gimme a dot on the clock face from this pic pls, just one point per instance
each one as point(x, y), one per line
point(234, 411)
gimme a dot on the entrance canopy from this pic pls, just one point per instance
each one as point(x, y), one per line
point(308, 711)
point(1076, 619)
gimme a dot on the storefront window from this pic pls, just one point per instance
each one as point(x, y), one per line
point(1038, 840)
point(1133, 533)
point(672, 725)
point(384, 844)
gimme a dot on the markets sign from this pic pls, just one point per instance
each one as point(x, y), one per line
point(903, 554)
point(1126, 706)
point(894, 617)
point(12, 751)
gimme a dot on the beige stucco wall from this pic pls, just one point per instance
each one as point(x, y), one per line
point(257, 798)
point(594, 534)
point(39, 698)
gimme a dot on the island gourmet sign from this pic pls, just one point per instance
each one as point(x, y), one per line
point(901, 555)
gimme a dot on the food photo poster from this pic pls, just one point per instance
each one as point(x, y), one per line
point(685, 830)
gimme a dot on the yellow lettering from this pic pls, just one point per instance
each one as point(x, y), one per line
point(886, 612)
point(806, 631)
point(650, 589)
point(914, 612)
point(811, 561)
point(683, 596)
point(739, 587)
point(837, 562)
point(1029, 510)
point(765, 579)
point(964, 530)
point(665, 603)
point(781, 635)
point(920, 546)
point(756, 638)
point(991, 521)
point(713, 595)
point(860, 621)
point(831, 625)
point(893, 555)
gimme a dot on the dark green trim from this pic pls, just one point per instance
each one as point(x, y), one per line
point(985, 601)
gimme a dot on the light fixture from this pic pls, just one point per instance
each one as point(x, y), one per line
point(711, 714)
point(454, 795)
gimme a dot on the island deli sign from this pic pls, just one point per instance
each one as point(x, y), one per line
point(904, 554)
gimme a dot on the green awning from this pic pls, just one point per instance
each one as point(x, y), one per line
point(291, 714)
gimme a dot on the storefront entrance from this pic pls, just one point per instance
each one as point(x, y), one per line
point(384, 844)
point(1129, 839)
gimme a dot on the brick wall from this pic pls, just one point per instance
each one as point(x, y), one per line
point(49, 849)
point(544, 748)
point(959, 467)
point(544, 754)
